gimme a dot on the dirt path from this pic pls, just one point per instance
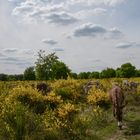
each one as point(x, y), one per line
point(117, 136)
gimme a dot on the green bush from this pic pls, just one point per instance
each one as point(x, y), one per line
point(65, 93)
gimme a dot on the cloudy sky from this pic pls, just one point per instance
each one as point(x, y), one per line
point(88, 35)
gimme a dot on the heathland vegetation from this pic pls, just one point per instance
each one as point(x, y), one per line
point(65, 110)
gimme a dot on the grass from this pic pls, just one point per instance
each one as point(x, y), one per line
point(131, 130)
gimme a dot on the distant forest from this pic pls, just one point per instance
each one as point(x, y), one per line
point(49, 67)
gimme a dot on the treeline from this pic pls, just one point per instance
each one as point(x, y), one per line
point(126, 70)
point(49, 67)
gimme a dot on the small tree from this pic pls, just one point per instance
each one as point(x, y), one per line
point(19, 77)
point(126, 70)
point(137, 74)
point(29, 74)
point(3, 77)
point(74, 75)
point(108, 73)
point(49, 67)
point(83, 75)
point(60, 71)
point(44, 65)
point(11, 78)
point(94, 75)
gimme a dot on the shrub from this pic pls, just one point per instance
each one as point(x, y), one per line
point(68, 89)
point(99, 98)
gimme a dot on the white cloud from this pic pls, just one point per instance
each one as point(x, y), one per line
point(2, 55)
point(58, 49)
point(59, 12)
point(33, 11)
point(26, 51)
point(91, 12)
point(15, 61)
point(97, 2)
point(89, 29)
point(17, 58)
point(15, 1)
point(99, 11)
point(125, 45)
point(114, 33)
point(10, 50)
point(94, 30)
point(16, 51)
point(113, 2)
point(61, 18)
point(49, 41)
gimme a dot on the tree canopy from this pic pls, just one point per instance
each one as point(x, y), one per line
point(126, 70)
point(44, 65)
point(29, 74)
point(48, 67)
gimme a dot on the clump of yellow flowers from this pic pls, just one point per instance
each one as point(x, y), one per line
point(66, 111)
point(97, 97)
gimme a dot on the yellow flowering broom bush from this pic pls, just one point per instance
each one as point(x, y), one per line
point(35, 100)
point(68, 89)
point(98, 97)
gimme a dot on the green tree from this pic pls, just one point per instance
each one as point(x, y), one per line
point(60, 71)
point(137, 74)
point(74, 75)
point(94, 75)
point(3, 77)
point(83, 75)
point(44, 65)
point(126, 70)
point(108, 73)
point(29, 74)
point(11, 78)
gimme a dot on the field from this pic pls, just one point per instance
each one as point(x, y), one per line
point(66, 112)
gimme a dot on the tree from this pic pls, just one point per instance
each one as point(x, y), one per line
point(60, 71)
point(83, 75)
point(74, 75)
point(29, 74)
point(11, 78)
point(108, 73)
point(49, 67)
point(3, 77)
point(126, 70)
point(94, 75)
point(19, 77)
point(44, 65)
point(15, 77)
point(137, 74)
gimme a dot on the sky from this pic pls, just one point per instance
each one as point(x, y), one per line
point(87, 35)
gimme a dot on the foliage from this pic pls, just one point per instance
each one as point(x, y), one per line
point(26, 114)
point(29, 74)
point(83, 75)
point(60, 71)
point(137, 74)
point(94, 75)
point(108, 73)
point(15, 77)
point(98, 97)
point(68, 89)
point(126, 70)
point(3, 77)
point(48, 67)
point(74, 75)
point(44, 65)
